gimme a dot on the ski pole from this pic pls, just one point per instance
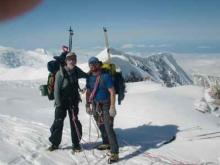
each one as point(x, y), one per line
point(90, 121)
point(78, 135)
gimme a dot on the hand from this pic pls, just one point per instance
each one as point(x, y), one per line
point(88, 109)
point(112, 111)
point(83, 90)
point(57, 105)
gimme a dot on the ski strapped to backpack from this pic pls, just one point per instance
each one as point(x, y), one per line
point(92, 95)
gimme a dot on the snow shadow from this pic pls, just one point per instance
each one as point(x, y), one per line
point(145, 137)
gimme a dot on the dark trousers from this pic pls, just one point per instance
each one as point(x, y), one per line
point(57, 126)
point(105, 124)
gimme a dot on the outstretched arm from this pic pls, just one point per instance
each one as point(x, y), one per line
point(112, 110)
point(81, 74)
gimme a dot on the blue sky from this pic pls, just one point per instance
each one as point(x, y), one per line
point(167, 25)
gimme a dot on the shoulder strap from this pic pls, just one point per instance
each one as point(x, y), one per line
point(92, 95)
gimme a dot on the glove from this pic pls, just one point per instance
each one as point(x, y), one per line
point(112, 111)
point(57, 105)
point(83, 90)
point(88, 109)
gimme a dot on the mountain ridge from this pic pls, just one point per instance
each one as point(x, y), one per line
point(160, 68)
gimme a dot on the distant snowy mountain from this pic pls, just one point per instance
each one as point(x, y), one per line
point(22, 64)
point(13, 58)
point(161, 68)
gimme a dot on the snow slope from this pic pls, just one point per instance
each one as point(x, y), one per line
point(149, 116)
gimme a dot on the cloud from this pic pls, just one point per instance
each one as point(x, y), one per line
point(208, 64)
point(132, 46)
point(98, 48)
point(127, 46)
point(159, 45)
point(204, 47)
point(141, 46)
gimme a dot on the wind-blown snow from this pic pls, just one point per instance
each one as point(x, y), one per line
point(149, 115)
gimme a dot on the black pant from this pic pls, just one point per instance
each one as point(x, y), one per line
point(57, 126)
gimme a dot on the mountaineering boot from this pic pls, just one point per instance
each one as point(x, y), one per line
point(52, 147)
point(76, 149)
point(103, 147)
point(113, 158)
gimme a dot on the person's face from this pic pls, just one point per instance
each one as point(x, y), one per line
point(71, 62)
point(94, 67)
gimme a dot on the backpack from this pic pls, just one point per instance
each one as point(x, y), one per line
point(50, 85)
point(53, 66)
point(118, 80)
point(48, 89)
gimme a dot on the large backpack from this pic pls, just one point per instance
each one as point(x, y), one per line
point(118, 80)
point(50, 86)
point(48, 89)
point(53, 68)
